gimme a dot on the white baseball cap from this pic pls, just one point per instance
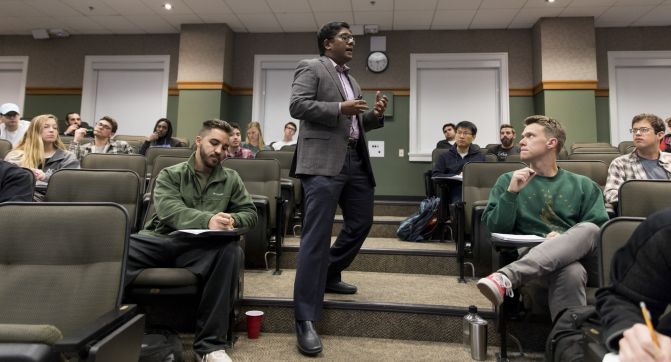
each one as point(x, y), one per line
point(9, 107)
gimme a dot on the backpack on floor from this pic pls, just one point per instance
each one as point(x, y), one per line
point(161, 345)
point(421, 224)
point(570, 335)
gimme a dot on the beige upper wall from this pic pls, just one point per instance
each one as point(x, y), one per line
point(59, 63)
point(400, 44)
point(205, 53)
point(628, 39)
point(567, 49)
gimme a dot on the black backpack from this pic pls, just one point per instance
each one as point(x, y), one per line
point(161, 345)
point(420, 224)
point(568, 339)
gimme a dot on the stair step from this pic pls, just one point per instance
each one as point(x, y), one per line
point(383, 226)
point(272, 347)
point(390, 255)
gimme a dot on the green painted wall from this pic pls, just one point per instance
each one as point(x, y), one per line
point(602, 119)
point(171, 112)
point(58, 105)
point(194, 107)
point(238, 109)
point(520, 108)
point(576, 110)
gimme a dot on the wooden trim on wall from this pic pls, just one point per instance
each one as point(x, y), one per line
point(520, 92)
point(173, 91)
point(52, 91)
point(216, 86)
point(601, 92)
point(565, 85)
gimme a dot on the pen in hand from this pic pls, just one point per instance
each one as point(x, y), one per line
point(646, 317)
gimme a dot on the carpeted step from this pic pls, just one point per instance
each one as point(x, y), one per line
point(390, 255)
point(392, 208)
point(272, 347)
point(383, 226)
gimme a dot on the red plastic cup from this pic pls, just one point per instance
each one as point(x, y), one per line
point(254, 318)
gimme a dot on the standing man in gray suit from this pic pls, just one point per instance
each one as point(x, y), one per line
point(332, 161)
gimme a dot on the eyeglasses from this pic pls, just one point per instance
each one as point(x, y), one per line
point(460, 133)
point(291, 128)
point(345, 37)
point(643, 130)
point(103, 126)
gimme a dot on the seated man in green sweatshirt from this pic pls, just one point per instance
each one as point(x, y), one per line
point(199, 194)
point(545, 200)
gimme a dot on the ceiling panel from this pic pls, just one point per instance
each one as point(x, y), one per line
point(594, 11)
point(53, 7)
point(493, 18)
point(413, 20)
point(545, 4)
point(384, 19)
point(248, 6)
point(297, 22)
point(18, 9)
point(377, 5)
point(329, 5)
point(260, 23)
point(638, 2)
point(202, 7)
point(328, 16)
point(82, 25)
point(415, 5)
point(581, 3)
point(177, 20)
point(129, 7)
point(502, 4)
point(658, 17)
point(622, 15)
point(289, 6)
point(526, 18)
point(91, 7)
point(117, 24)
point(152, 24)
point(453, 19)
point(458, 4)
point(230, 19)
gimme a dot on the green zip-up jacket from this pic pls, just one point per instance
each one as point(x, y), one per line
point(181, 204)
point(546, 204)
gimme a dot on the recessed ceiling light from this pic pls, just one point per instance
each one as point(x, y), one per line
point(550, 1)
point(168, 6)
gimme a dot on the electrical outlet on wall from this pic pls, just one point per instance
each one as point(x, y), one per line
point(401, 152)
point(376, 148)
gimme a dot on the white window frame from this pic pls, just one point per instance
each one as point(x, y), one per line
point(95, 63)
point(497, 61)
point(270, 61)
point(624, 59)
point(17, 63)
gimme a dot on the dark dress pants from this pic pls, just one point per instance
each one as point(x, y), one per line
point(318, 261)
point(216, 263)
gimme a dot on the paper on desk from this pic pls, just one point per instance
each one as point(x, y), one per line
point(203, 231)
point(611, 357)
point(518, 238)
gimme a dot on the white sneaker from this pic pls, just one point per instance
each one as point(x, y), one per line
point(216, 356)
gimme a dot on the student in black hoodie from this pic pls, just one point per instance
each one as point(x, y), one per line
point(640, 272)
point(451, 163)
point(16, 183)
point(161, 137)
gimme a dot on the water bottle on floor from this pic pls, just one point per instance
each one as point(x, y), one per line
point(478, 332)
point(468, 318)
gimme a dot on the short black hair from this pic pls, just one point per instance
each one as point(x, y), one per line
point(506, 125)
point(329, 31)
point(293, 124)
point(449, 125)
point(234, 125)
point(67, 116)
point(468, 125)
point(215, 123)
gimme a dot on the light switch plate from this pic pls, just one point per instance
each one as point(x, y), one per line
point(376, 148)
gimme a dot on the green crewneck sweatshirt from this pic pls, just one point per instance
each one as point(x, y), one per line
point(546, 204)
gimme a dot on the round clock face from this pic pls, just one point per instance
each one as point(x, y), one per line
point(377, 62)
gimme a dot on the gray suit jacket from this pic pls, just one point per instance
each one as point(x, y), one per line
point(322, 141)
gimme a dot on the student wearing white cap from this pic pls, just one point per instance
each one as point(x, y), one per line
point(12, 128)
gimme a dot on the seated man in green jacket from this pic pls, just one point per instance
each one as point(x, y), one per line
point(199, 194)
point(547, 201)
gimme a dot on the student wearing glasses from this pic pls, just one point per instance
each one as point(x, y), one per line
point(103, 132)
point(451, 163)
point(289, 133)
point(646, 162)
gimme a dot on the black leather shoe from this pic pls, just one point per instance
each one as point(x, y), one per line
point(309, 343)
point(340, 288)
